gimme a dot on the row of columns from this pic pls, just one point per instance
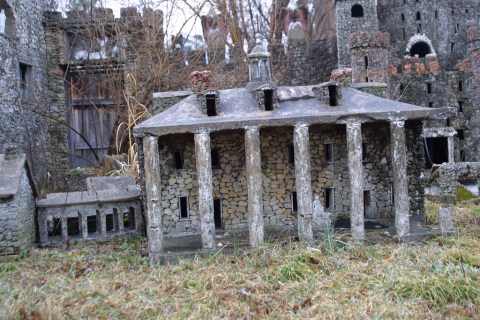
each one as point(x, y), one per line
point(255, 188)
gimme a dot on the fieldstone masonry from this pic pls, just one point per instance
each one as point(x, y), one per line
point(17, 205)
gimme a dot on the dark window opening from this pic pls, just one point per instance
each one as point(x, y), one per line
point(329, 199)
point(461, 134)
point(215, 158)
point(291, 154)
point(366, 62)
point(452, 47)
point(294, 201)
point(419, 28)
point(419, 17)
point(183, 206)
point(364, 151)
point(333, 94)
point(92, 224)
point(436, 151)
point(25, 80)
point(460, 85)
point(430, 104)
point(357, 11)
point(54, 227)
point(448, 122)
point(429, 88)
point(73, 226)
point(178, 155)
point(460, 106)
point(402, 87)
point(392, 194)
point(421, 49)
point(436, 14)
point(329, 152)
point(109, 222)
point(404, 34)
point(129, 218)
point(462, 155)
point(367, 209)
point(217, 213)
point(403, 17)
point(211, 105)
point(366, 79)
point(268, 100)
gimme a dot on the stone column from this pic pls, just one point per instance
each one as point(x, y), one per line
point(451, 149)
point(303, 182)
point(205, 188)
point(83, 221)
point(63, 219)
point(400, 178)
point(355, 173)
point(255, 188)
point(120, 221)
point(153, 198)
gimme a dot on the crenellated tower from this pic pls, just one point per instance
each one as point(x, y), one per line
point(369, 56)
point(353, 16)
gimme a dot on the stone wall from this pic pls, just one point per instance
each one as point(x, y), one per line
point(24, 104)
point(17, 220)
point(230, 184)
point(442, 21)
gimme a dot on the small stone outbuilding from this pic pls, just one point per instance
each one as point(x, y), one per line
point(256, 157)
point(17, 205)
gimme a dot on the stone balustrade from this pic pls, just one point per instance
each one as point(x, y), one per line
point(106, 210)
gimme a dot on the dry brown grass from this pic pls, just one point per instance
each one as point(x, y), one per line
point(439, 279)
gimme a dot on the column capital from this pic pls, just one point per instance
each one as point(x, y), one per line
point(201, 131)
point(252, 128)
point(398, 123)
point(301, 125)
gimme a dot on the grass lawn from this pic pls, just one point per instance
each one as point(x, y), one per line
point(335, 278)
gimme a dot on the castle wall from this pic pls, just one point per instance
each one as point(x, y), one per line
point(24, 103)
point(230, 184)
point(444, 22)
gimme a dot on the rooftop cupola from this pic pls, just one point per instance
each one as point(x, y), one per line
point(259, 64)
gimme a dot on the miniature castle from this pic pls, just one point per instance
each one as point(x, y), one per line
point(59, 107)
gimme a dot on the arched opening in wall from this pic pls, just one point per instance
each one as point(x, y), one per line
point(357, 11)
point(7, 20)
point(421, 49)
point(419, 17)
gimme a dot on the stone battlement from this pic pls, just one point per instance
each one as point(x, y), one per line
point(369, 39)
point(416, 65)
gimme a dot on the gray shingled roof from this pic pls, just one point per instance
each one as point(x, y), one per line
point(297, 104)
point(11, 169)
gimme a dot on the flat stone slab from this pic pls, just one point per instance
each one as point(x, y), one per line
point(11, 168)
point(86, 197)
point(95, 184)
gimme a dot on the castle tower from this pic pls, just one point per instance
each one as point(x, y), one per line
point(353, 16)
point(369, 56)
point(472, 128)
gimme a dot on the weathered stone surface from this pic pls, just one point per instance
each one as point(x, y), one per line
point(205, 189)
point(355, 170)
point(446, 221)
point(400, 178)
point(255, 186)
point(303, 181)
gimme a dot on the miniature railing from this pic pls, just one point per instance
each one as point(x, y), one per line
point(97, 214)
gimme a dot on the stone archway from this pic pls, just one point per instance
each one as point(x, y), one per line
point(420, 45)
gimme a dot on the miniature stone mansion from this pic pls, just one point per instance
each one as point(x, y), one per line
point(255, 157)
